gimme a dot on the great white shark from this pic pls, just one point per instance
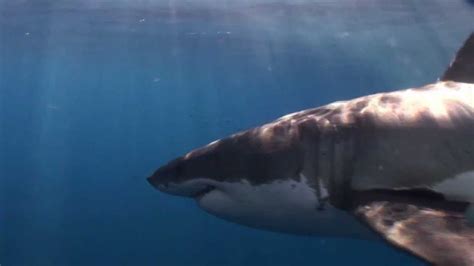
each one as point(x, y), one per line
point(397, 165)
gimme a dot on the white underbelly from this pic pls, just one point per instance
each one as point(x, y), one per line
point(289, 206)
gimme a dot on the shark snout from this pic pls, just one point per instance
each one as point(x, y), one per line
point(162, 177)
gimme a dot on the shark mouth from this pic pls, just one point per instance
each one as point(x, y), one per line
point(203, 192)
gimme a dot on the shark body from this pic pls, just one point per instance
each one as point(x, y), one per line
point(399, 165)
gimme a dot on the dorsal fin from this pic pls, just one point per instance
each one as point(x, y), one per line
point(462, 67)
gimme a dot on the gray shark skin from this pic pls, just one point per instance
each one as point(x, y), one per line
point(397, 166)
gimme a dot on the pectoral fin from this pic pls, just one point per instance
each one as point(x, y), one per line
point(428, 227)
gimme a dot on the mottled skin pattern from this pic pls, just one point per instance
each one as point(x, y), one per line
point(393, 132)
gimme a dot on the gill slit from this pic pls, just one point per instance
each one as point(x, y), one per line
point(335, 164)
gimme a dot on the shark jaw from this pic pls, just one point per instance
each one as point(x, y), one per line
point(286, 205)
point(196, 188)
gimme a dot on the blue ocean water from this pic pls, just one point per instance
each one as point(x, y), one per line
point(96, 94)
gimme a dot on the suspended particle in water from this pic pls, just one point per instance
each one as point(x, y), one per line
point(342, 35)
point(52, 107)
